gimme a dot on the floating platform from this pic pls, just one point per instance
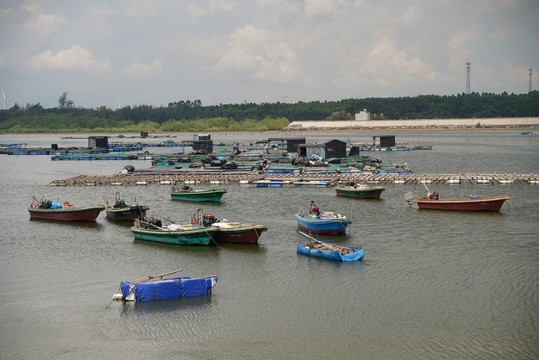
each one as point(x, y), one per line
point(193, 176)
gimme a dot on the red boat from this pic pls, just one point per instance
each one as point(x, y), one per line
point(49, 210)
point(432, 201)
point(225, 231)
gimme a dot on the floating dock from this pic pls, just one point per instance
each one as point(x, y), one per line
point(193, 176)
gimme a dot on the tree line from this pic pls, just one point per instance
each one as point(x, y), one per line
point(192, 116)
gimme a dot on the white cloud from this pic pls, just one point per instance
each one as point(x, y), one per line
point(196, 11)
point(317, 8)
point(144, 69)
point(44, 24)
point(259, 53)
point(411, 15)
point(503, 31)
point(75, 58)
point(221, 5)
point(459, 47)
point(6, 12)
point(103, 12)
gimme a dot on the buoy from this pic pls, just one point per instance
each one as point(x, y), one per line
point(90, 184)
point(453, 181)
point(141, 183)
point(165, 182)
point(506, 181)
point(117, 297)
point(399, 181)
point(116, 183)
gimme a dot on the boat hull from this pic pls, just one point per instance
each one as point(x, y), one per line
point(199, 195)
point(172, 288)
point(330, 226)
point(358, 254)
point(241, 234)
point(67, 214)
point(484, 204)
point(370, 193)
point(127, 213)
point(195, 236)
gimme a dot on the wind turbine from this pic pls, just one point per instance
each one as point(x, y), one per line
point(284, 97)
point(5, 97)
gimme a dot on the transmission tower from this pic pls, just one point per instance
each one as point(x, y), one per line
point(530, 83)
point(468, 77)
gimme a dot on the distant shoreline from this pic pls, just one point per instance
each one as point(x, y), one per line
point(418, 124)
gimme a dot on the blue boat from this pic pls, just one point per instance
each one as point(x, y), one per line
point(326, 223)
point(324, 250)
point(157, 288)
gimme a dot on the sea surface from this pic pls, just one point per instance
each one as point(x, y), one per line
point(433, 284)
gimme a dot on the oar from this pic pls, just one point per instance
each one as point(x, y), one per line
point(150, 277)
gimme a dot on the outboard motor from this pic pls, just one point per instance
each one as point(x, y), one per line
point(208, 219)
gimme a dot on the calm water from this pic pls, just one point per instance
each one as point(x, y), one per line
point(433, 285)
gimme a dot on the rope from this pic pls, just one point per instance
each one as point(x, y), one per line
point(119, 289)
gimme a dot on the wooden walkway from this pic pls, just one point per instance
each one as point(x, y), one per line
point(194, 177)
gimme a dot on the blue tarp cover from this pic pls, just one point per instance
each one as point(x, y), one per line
point(168, 288)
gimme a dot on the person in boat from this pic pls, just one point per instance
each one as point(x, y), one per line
point(315, 212)
point(120, 204)
point(433, 196)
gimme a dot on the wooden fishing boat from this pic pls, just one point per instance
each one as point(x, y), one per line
point(327, 223)
point(432, 201)
point(232, 232)
point(324, 250)
point(49, 210)
point(176, 234)
point(360, 191)
point(199, 195)
point(157, 287)
point(120, 211)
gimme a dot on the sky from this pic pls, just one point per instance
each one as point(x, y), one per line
point(154, 52)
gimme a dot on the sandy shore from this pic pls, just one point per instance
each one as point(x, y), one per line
point(528, 122)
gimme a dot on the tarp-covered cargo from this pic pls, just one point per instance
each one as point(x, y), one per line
point(167, 289)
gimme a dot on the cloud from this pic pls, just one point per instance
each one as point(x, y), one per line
point(459, 46)
point(503, 31)
point(221, 5)
point(260, 54)
point(6, 12)
point(143, 69)
point(44, 24)
point(411, 15)
point(75, 58)
point(385, 63)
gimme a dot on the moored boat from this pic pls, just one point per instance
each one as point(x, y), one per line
point(232, 232)
point(49, 210)
point(324, 250)
point(327, 223)
point(360, 191)
point(176, 234)
point(199, 195)
point(432, 201)
point(159, 288)
point(121, 211)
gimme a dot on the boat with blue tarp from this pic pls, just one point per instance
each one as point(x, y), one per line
point(157, 287)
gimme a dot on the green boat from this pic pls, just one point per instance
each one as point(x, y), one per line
point(360, 191)
point(187, 193)
point(175, 234)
